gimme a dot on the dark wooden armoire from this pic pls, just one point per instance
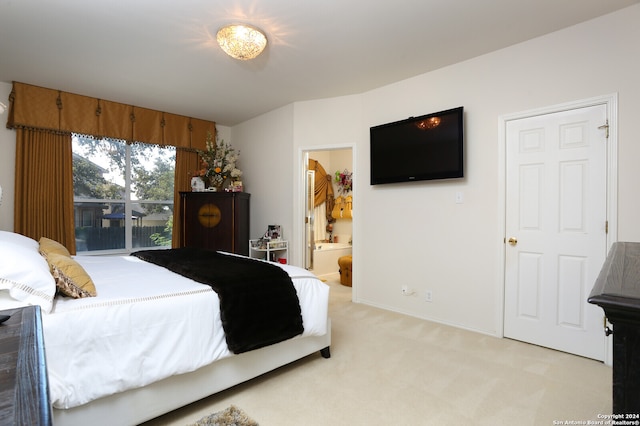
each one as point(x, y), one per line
point(216, 220)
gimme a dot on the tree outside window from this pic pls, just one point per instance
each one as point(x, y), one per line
point(123, 194)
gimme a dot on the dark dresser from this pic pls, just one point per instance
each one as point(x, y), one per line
point(617, 292)
point(216, 220)
point(24, 385)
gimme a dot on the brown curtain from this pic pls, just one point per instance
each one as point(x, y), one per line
point(44, 186)
point(44, 116)
point(186, 164)
point(48, 109)
point(323, 189)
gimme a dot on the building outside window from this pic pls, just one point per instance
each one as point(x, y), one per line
point(123, 195)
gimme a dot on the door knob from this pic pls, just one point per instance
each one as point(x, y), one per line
point(513, 241)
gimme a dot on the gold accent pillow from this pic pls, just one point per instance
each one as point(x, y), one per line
point(49, 246)
point(71, 278)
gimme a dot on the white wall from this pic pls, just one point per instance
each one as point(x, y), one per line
point(7, 163)
point(266, 158)
point(224, 133)
point(415, 234)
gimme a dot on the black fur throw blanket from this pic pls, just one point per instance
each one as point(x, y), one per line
point(258, 304)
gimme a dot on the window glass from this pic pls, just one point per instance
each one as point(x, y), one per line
point(123, 194)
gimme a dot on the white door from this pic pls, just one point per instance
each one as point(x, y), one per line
point(556, 220)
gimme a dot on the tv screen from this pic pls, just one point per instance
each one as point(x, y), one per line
point(418, 148)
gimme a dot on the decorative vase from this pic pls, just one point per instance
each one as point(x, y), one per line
point(216, 183)
point(197, 184)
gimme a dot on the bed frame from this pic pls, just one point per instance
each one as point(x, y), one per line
point(139, 405)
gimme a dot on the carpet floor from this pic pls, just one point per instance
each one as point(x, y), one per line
point(387, 368)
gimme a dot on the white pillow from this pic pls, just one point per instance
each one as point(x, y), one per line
point(25, 273)
point(19, 239)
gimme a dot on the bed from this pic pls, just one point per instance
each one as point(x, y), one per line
point(150, 340)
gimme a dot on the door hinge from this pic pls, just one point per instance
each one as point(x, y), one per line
point(607, 331)
point(605, 126)
point(606, 226)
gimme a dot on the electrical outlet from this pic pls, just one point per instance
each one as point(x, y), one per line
point(406, 291)
point(428, 296)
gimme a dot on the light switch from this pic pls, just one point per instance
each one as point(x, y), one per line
point(459, 197)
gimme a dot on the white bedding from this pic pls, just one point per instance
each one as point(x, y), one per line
point(146, 324)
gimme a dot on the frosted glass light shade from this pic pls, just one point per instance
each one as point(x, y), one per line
point(241, 41)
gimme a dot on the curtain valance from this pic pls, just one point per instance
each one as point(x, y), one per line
point(33, 107)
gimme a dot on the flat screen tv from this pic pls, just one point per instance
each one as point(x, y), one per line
point(418, 148)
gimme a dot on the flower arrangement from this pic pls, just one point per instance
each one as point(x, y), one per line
point(218, 162)
point(344, 181)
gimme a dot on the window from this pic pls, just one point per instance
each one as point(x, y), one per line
point(123, 194)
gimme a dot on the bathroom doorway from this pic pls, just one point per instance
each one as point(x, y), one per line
point(325, 244)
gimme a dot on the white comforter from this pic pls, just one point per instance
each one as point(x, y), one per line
point(146, 324)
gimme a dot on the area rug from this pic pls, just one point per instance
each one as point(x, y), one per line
point(231, 416)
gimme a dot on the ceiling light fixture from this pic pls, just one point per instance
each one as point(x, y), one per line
point(241, 41)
